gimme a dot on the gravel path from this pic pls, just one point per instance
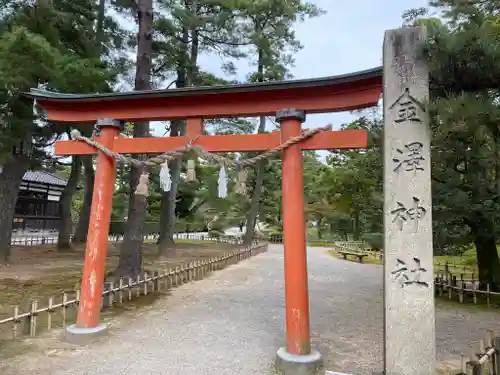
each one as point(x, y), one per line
point(233, 322)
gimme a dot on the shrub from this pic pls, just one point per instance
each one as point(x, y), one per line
point(374, 240)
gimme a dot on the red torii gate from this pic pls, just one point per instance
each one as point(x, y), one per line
point(288, 100)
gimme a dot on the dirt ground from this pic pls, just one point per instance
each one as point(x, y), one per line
point(40, 272)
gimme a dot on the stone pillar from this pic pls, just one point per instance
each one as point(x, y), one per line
point(410, 345)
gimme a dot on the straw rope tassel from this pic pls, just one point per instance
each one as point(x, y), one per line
point(191, 171)
point(241, 181)
point(222, 190)
point(142, 186)
point(165, 180)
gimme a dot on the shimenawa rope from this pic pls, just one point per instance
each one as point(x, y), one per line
point(165, 182)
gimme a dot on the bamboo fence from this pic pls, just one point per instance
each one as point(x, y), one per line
point(484, 358)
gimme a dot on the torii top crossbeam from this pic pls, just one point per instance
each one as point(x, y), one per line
point(331, 94)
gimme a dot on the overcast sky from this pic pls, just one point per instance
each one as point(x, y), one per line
point(346, 39)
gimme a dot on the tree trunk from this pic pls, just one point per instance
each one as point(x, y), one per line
point(168, 198)
point(101, 15)
point(82, 226)
point(10, 179)
point(66, 201)
point(319, 228)
point(355, 223)
point(488, 262)
point(186, 74)
point(497, 166)
point(251, 219)
point(130, 262)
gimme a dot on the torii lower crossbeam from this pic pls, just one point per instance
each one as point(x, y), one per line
point(345, 139)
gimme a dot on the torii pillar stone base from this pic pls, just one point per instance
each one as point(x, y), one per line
point(291, 364)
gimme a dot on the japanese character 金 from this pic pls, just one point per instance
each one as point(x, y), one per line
point(408, 108)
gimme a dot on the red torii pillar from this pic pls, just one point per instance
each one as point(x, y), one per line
point(297, 357)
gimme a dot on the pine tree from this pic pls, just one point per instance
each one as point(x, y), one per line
point(109, 42)
point(130, 261)
point(269, 28)
point(41, 44)
point(463, 55)
point(189, 28)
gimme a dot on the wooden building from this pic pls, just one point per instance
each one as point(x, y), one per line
point(37, 206)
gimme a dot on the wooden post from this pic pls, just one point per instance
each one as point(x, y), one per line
point(298, 342)
point(410, 345)
point(97, 243)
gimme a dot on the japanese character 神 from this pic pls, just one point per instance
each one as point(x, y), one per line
point(402, 214)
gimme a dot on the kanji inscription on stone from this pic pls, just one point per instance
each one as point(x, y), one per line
point(408, 108)
point(404, 69)
point(410, 158)
point(403, 214)
point(406, 276)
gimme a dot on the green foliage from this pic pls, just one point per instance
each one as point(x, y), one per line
point(62, 45)
point(51, 44)
point(375, 240)
point(352, 186)
point(462, 53)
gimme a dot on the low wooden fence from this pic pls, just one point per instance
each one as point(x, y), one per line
point(484, 358)
point(459, 287)
point(456, 269)
point(57, 310)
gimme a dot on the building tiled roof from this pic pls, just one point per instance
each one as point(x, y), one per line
point(43, 177)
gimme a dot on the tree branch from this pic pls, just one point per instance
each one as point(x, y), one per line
point(170, 84)
point(215, 41)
